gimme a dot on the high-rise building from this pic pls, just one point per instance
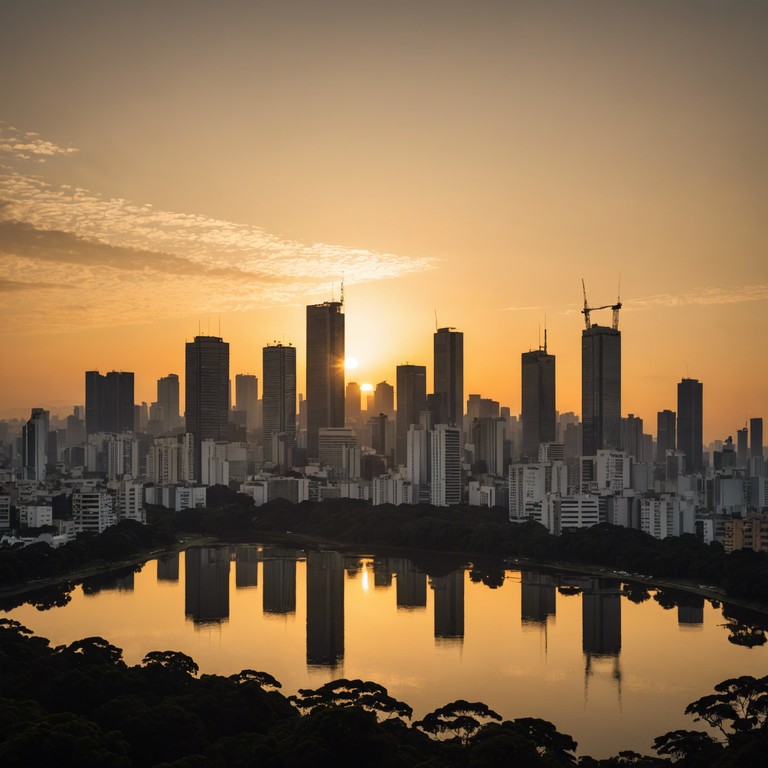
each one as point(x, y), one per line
point(109, 402)
point(207, 391)
point(445, 482)
point(325, 370)
point(690, 409)
point(756, 437)
point(600, 389)
point(352, 406)
point(247, 398)
point(34, 445)
point(538, 401)
point(168, 400)
point(742, 451)
point(449, 375)
point(384, 400)
point(279, 406)
point(411, 401)
point(665, 434)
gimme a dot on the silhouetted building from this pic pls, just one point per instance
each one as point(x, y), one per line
point(538, 400)
point(449, 604)
point(756, 437)
point(411, 401)
point(207, 391)
point(601, 618)
point(690, 408)
point(168, 567)
point(325, 370)
point(279, 404)
point(742, 450)
point(600, 389)
point(445, 466)
point(691, 612)
point(34, 439)
point(384, 399)
point(168, 400)
point(449, 376)
point(109, 402)
point(665, 435)
point(206, 588)
point(279, 571)
point(325, 608)
point(352, 406)
point(247, 398)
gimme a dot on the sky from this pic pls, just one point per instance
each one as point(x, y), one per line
point(177, 167)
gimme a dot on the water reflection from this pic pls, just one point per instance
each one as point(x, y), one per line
point(325, 607)
point(279, 573)
point(246, 566)
point(168, 567)
point(411, 584)
point(449, 605)
point(537, 601)
point(206, 588)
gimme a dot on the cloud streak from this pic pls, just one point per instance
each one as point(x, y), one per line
point(159, 263)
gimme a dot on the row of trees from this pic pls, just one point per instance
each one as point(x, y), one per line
point(82, 705)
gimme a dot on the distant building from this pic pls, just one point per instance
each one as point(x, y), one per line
point(756, 437)
point(690, 441)
point(168, 401)
point(109, 402)
point(207, 391)
point(279, 403)
point(665, 434)
point(34, 446)
point(600, 389)
point(247, 398)
point(325, 371)
point(538, 400)
point(411, 402)
point(449, 376)
point(93, 510)
point(445, 486)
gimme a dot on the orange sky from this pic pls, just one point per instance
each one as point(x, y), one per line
point(172, 164)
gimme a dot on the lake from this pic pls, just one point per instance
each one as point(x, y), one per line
point(608, 662)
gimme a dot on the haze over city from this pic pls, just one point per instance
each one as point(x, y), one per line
point(170, 168)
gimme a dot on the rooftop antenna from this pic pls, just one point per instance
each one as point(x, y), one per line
point(545, 334)
point(539, 335)
point(436, 326)
point(342, 289)
point(333, 288)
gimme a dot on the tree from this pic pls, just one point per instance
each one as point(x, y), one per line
point(349, 693)
point(697, 748)
point(741, 703)
point(93, 650)
point(173, 661)
point(461, 718)
point(262, 679)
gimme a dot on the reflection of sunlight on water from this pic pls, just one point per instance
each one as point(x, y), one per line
point(365, 579)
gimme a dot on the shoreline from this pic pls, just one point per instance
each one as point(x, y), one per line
point(298, 541)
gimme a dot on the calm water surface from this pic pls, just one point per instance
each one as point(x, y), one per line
point(612, 672)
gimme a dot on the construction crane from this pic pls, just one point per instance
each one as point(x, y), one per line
point(587, 309)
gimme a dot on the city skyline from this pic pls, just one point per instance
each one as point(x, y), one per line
point(470, 168)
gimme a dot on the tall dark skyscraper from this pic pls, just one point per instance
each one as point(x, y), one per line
point(325, 370)
point(207, 391)
point(665, 434)
point(279, 379)
point(108, 402)
point(247, 398)
point(411, 401)
point(690, 409)
point(600, 389)
point(449, 376)
point(538, 389)
point(352, 407)
point(168, 399)
point(756, 437)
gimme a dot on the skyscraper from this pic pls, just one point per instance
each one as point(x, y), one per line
point(352, 407)
point(690, 407)
point(207, 391)
point(384, 400)
point(108, 402)
point(247, 398)
point(279, 379)
point(756, 437)
point(168, 400)
point(34, 444)
point(600, 389)
point(445, 479)
point(449, 375)
point(411, 401)
point(538, 400)
point(665, 435)
point(325, 370)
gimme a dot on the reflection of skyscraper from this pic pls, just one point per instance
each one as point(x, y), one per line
point(168, 567)
point(449, 604)
point(449, 375)
point(537, 597)
point(538, 400)
point(692, 611)
point(411, 401)
point(206, 589)
point(600, 389)
point(411, 584)
point(246, 566)
point(279, 403)
point(601, 618)
point(690, 399)
point(325, 608)
point(279, 581)
point(382, 572)
point(207, 391)
point(325, 370)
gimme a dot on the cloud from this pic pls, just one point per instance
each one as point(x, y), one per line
point(702, 296)
point(117, 261)
point(14, 286)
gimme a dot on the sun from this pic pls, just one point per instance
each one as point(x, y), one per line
point(350, 363)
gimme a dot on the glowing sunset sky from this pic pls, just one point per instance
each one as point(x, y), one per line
point(169, 165)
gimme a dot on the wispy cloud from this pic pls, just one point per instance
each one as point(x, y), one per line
point(159, 263)
point(702, 296)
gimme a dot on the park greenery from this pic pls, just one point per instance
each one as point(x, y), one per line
point(82, 705)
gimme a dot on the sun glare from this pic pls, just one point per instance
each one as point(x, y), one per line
point(350, 363)
point(366, 387)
